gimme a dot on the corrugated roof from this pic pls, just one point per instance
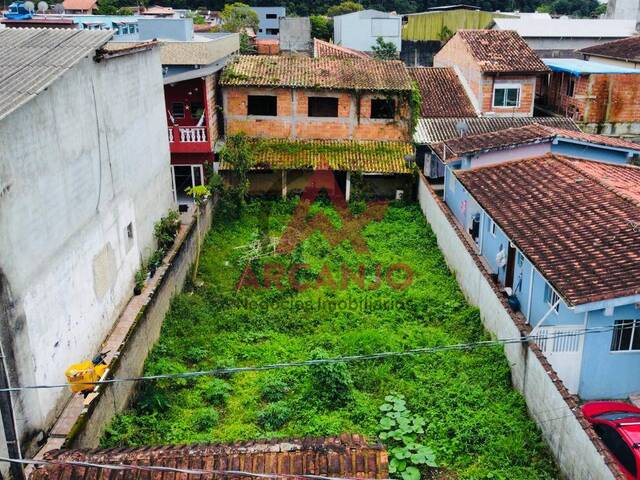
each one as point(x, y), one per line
point(432, 130)
point(317, 73)
point(345, 456)
point(578, 67)
point(365, 156)
point(31, 59)
point(531, 27)
point(442, 93)
point(502, 51)
point(331, 50)
point(579, 230)
point(428, 26)
point(627, 49)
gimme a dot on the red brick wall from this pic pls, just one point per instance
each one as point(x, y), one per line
point(456, 54)
point(293, 121)
point(527, 85)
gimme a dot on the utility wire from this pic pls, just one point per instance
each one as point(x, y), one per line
point(322, 361)
point(157, 468)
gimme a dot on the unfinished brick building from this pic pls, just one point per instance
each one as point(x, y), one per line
point(317, 98)
point(498, 69)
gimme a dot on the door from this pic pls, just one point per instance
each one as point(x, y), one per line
point(511, 265)
point(185, 176)
point(562, 347)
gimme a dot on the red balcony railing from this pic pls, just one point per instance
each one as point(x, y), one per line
point(189, 139)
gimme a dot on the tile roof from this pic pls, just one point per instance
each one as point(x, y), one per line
point(580, 231)
point(331, 50)
point(621, 178)
point(625, 49)
point(344, 456)
point(502, 51)
point(364, 156)
point(31, 59)
point(316, 73)
point(79, 4)
point(510, 137)
point(442, 93)
point(433, 130)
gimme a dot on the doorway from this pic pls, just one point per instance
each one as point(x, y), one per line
point(183, 177)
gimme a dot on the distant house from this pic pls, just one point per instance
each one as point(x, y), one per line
point(79, 207)
point(601, 97)
point(360, 30)
point(79, 7)
point(269, 17)
point(560, 235)
point(620, 53)
point(159, 12)
point(561, 37)
point(498, 69)
point(349, 115)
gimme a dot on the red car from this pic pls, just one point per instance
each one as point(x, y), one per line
point(618, 425)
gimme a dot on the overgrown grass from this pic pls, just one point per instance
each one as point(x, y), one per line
point(476, 423)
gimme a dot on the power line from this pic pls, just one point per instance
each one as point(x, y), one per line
point(157, 468)
point(322, 361)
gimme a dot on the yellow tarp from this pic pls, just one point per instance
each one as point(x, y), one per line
point(429, 25)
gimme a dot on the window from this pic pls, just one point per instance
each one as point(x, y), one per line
point(506, 95)
point(626, 335)
point(262, 105)
point(571, 86)
point(273, 31)
point(614, 442)
point(271, 15)
point(197, 109)
point(551, 297)
point(323, 107)
point(383, 108)
point(177, 110)
point(492, 227)
point(130, 230)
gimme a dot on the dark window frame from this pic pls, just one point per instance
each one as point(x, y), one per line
point(323, 107)
point(262, 105)
point(383, 108)
point(175, 114)
point(271, 16)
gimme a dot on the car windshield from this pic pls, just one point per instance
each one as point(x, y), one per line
point(614, 416)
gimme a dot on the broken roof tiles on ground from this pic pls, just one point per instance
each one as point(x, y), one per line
point(502, 51)
point(442, 93)
point(331, 50)
point(577, 227)
point(31, 59)
point(363, 156)
point(344, 456)
point(627, 49)
point(316, 73)
point(433, 130)
point(451, 149)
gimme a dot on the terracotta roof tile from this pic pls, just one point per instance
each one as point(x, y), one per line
point(79, 4)
point(579, 230)
point(621, 178)
point(625, 49)
point(442, 93)
point(364, 156)
point(344, 456)
point(594, 138)
point(331, 50)
point(317, 73)
point(433, 130)
point(502, 51)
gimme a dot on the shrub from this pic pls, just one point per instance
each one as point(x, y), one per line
point(166, 229)
point(273, 389)
point(332, 381)
point(217, 392)
point(205, 419)
point(274, 416)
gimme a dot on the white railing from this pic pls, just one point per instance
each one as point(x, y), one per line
point(193, 134)
point(170, 135)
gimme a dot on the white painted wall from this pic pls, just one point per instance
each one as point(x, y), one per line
point(359, 30)
point(78, 163)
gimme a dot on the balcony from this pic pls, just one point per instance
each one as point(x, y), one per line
point(189, 140)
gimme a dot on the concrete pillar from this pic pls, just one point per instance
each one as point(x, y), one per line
point(347, 188)
point(284, 184)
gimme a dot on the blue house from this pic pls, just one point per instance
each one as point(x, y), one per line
point(269, 17)
point(561, 236)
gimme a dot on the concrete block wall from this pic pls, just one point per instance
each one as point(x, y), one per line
point(576, 447)
point(292, 120)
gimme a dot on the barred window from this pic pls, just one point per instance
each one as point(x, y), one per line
point(626, 335)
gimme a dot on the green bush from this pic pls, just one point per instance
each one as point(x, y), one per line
point(205, 420)
point(217, 392)
point(274, 416)
point(166, 229)
point(332, 381)
point(273, 389)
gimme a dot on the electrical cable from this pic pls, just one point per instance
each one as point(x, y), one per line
point(322, 361)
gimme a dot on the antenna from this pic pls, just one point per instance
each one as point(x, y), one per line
point(43, 6)
point(462, 127)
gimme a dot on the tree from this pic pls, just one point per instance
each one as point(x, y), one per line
point(106, 7)
point(246, 46)
point(125, 11)
point(347, 6)
point(238, 16)
point(384, 50)
point(321, 27)
point(200, 194)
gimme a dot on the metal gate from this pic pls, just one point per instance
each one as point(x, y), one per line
point(563, 348)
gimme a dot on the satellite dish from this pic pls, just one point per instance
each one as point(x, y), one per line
point(58, 8)
point(43, 6)
point(29, 6)
point(462, 128)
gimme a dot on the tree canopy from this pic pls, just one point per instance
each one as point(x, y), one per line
point(238, 16)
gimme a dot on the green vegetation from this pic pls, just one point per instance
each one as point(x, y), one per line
point(321, 27)
point(343, 8)
point(458, 409)
point(238, 16)
point(384, 50)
